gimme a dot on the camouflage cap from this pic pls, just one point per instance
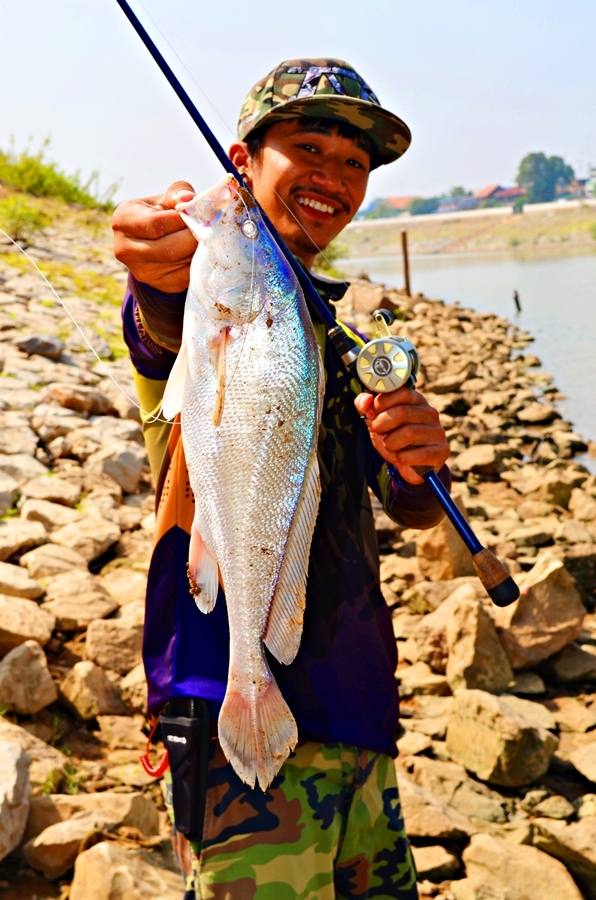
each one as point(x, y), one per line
point(324, 88)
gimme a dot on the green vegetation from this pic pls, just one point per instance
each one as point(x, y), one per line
point(593, 230)
point(65, 276)
point(325, 260)
point(20, 219)
point(540, 176)
point(29, 171)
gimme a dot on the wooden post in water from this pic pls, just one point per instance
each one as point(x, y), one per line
point(404, 250)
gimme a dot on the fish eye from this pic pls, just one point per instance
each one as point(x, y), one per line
point(249, 229)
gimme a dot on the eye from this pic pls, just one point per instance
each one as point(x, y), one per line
point(249, 229)
point(310, 148)
point(356, 164)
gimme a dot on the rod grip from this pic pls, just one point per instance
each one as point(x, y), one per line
point(495, 577)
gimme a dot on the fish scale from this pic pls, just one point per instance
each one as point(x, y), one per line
point(248, 382)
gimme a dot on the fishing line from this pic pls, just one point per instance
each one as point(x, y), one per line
point(64, 306)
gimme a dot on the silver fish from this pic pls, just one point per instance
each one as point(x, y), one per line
point(248, 382)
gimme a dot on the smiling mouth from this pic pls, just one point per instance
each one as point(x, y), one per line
point(317, 205)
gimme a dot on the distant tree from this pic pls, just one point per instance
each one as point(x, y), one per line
point(539, 175)
point(458, 191)
point(424, 205)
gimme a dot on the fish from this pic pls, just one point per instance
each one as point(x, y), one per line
point(248, 384)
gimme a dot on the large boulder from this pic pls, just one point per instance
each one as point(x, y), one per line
point(26, 685)
point(46, 765)
point(114, 644)
point(476, 658)
point(22, 620)
point(574, 844)
point(90, 693)
point(55, 849)
point(14, 795)
point(441, 553)
point(548, 615)
point(18, 536)
point(90, 537)
point(15, 582)
point(497, 869)
point(76, 599)
point(134, 810)
point(111, 872)
point(497, 742)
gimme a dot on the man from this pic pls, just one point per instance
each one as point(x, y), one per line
point(330, 824)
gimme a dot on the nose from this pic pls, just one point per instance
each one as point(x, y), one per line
point(329, 176)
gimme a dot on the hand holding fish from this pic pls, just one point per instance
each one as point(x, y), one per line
point(153, 242)
point(405, 430)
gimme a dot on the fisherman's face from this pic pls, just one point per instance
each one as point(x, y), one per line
point(309, 180)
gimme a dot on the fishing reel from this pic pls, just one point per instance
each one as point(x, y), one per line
point(387, 361)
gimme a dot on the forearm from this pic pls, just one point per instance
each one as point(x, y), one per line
point(411, 505)
point(152, 327)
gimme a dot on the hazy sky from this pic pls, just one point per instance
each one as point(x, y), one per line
point(480, 83)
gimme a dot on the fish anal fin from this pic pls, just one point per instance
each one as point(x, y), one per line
point(202, 572)
point(257, 732)
point(286, 615)
point(173, 394)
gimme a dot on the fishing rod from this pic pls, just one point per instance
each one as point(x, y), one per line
point(493, 574)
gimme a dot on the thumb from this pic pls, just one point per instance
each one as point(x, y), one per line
point(178, 192)
point(364, 404)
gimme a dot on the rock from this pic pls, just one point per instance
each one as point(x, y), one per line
point(572, 713)
point(90, 537)
point(15, 582)
point(22, 620)
point(486, 736)
point(537, 413)
point(411, 742)
point(574, 844)
point(17, 536)
point(51, 515)
point(26, 685)
point(122, 461)
point(53, 489)
point(134, 810)
point(76, 598)
point(554, 807)
point(55, 849)
point(476, 658)
point(51, 559)
point(430, 714)
point(89, 692)
point(419, 679)
point(110, 872)
point(81, 398)
point(9, 491)
point(44, 345)
point(114, 644)
point(14, 795)
point(528, 683)
point(435, 863)
point(125, 584)
point(427, 817)
point(582, 505)
point(573, 665)
point(122, 732)
point(535, 713)
point(18, 439)
point(584, 760)
point(133, 688)
point(131, 774)
point(501, 870)
point(586, 806)
point(21, 467)
point(441, 553)
point(47, 764)
point(483, 459)
point(450, 784)
point(547, 616)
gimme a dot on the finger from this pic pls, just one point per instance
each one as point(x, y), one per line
point(400, 416)
point(145, 220)
point(177, 192)
point(403, 396)
point(431, 455)
point(413, 436)
point(176, 249)
point(364, 404)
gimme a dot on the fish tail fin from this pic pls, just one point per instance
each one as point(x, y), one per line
point(202, 572)
point(257, 733)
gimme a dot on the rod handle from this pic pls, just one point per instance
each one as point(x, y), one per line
point(495, 578)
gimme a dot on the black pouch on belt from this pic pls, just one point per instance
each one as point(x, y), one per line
point(185, 732)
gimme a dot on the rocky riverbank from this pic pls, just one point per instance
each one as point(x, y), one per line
point(498, 746)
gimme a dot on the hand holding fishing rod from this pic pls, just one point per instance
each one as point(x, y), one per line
point(387, 364)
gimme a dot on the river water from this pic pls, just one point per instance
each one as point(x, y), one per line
point(558, 300)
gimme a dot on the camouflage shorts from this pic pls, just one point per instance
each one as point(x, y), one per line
point(329, 828)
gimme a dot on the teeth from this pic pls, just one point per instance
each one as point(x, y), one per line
point(314, 204)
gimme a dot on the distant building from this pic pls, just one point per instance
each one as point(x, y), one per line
point(457, 204)
point(386, 207)
point(499, 194)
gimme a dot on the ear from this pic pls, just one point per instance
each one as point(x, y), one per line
point(241, 158)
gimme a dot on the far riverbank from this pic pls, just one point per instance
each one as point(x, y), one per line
point(552, 232)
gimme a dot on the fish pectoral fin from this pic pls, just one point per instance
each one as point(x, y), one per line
point(220, 370)
point(173, 395)
point(202, 572)
point(286, 616)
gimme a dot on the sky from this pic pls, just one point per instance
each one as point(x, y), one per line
point(479, 83)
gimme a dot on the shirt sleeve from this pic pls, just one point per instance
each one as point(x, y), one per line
point(152, 327)
point(410, 505)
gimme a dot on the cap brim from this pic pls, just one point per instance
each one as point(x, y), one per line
point(390, 135)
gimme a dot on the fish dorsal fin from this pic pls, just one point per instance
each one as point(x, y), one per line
point(286, 615)
point(174, 391)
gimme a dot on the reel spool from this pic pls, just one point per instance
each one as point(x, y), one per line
point(388, 361)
